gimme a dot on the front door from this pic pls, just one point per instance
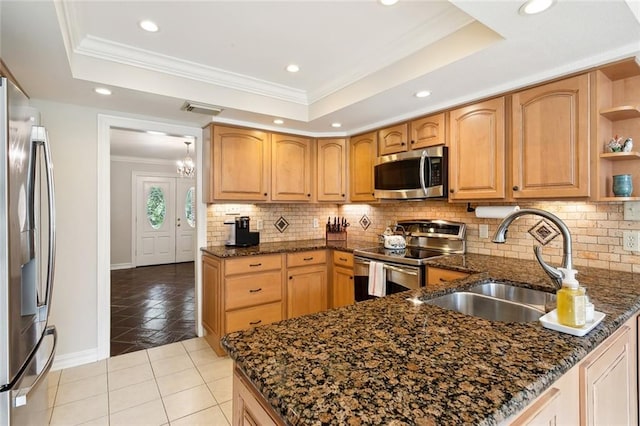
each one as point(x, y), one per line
point(186, 220)
point(155, 220)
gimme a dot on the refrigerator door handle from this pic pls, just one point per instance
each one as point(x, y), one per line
point(20, 396)
point(40, 137)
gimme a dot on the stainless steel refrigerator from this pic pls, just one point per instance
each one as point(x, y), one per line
point(27, 252)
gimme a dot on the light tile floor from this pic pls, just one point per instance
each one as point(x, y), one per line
point(183, 383)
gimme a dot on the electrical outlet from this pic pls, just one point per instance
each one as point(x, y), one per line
point(631, 240)
point(484, 231)
point(260, 224)
point(315, 222)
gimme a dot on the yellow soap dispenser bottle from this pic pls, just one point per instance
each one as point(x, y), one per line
point(571, 300)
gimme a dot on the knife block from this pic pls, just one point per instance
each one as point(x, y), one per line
point(336, 236)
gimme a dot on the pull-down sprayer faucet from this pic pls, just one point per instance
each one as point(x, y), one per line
point(555, 274)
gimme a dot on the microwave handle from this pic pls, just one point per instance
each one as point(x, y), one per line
point(423, 158)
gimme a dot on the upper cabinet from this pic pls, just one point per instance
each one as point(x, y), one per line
point(550, 140)
point(477, 151)
point(362, 156)
point(427, 131)
point(238, 164)
point(618, 108)
point(291, 172)
point(419, 133)
point(392, 140)
point(331, 166)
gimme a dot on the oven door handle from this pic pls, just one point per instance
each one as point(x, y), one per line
point(391, 267)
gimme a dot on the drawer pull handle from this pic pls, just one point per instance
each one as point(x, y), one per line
point(343, 259)
point(308, 258)
point(255, 290)
point(442, 280)
point(253, 265)
point(255, 322)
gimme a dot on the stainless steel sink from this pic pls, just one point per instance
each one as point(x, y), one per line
point(498, 302)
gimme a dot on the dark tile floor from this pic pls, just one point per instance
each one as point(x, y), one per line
point(152, 306)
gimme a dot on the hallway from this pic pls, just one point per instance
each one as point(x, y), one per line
point(152, 306)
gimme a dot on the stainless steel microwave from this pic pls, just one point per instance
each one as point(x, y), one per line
point(418, 174)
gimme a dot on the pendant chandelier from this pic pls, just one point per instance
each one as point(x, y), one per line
point(186, 166)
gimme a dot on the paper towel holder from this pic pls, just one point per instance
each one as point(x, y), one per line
point(470, 209)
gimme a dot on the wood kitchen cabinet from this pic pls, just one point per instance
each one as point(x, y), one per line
point(291, 168)
point(550, 140)
point(240, 293)
point(239, 164)
point(342, 286)
point(362, 156)
point(392, 140)
point(477, 151)
point(439, 275)
point(331, 166)
point(618, 106)
point(427, 131)
point(249, 407)
point(306, 283)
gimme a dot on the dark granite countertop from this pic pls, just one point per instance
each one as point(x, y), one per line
point(388, 361)
point(285, 247)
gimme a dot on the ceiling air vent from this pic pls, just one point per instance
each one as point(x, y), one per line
point(201, 108)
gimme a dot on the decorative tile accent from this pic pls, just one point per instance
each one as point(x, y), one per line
point(544, 232)
point(365, 222)
point(281, 224)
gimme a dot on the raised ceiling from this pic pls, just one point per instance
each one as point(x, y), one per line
point(360, 62)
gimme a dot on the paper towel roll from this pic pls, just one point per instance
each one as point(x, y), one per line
point(495, 212)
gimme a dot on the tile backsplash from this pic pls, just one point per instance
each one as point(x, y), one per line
point(596, 228)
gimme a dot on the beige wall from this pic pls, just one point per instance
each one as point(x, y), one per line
point(596, 228)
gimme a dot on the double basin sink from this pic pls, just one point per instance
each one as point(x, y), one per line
point(498, 302)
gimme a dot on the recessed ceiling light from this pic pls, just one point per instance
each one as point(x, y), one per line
point(531, 7)
point(102, 91)
point(422, 94)
point(336, 125)
point(156, 133)
point(278, 121)
point(150, 26)
point(388, 2)
point(293, 68)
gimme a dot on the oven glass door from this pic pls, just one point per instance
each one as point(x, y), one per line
point(398, 278)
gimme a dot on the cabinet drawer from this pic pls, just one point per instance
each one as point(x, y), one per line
point(249, 264)
point(253, 289)
point(306, 258)
point(439, 276)
point(242, 319)
point(341, 258)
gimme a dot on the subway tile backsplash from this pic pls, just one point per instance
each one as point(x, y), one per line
point(596, 228)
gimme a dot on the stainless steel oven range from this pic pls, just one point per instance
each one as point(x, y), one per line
point(405, 268)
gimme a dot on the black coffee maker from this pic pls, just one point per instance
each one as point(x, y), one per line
point(244, 237)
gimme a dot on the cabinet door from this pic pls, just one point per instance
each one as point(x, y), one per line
point(362, 156)
point(342, 290)
point(212, 296)
point(306, 290)
point(290, 168)
point(477, 151)
point(249, 408)
point(551, 140)
point(428, 131)
point(240, 164)
point(332, 169)
point(393, 140)
point(608, 383)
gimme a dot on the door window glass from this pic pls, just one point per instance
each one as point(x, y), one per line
point(156, 207)
point(189, 207)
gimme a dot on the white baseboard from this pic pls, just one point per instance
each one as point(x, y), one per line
point(75, 359)
point(117, 266)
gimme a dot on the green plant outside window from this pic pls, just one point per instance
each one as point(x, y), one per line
point(156, 207)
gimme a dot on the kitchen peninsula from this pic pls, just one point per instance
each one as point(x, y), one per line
point(391, 361)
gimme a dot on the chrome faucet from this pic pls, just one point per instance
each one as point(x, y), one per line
point(555, 274)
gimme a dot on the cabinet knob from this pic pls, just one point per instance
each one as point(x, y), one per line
point(291, 277)
point(402, 143)
point(412, 142)
point(308, 195)
point(516, 188)
point(350, 278)
point(342, 195)
point(265, 194)
point(452, 190)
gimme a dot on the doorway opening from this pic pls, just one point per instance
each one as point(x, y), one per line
point(152, 303)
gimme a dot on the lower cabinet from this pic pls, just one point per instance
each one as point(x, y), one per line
point(306, 283)
point(439, 276)
point(602, 390)
point(342, 286)
point(248, 407)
